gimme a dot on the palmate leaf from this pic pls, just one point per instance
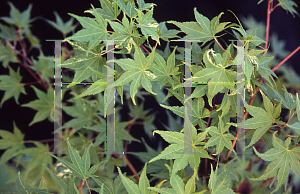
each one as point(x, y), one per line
point(218, 137)
point(64, 28)
point(7, 55)
point(44, 67)
point(219, 183)
point(282, 159)
point(86, 66)
point(163, 71)
point(198, 111)
point(125, 32)
point(110, 186)
point(21, 20)
point(288, 5)
point(81, 166)
point(173, 151)
point(108, 11)
point(215, 73)
point(82, 112)
point(24, 188)
point(95, 29)
point(44, 105)
point(12, 142)
point(38, 157)
point(129, 8)
point(203, 30)
point(148, 25)
point(261, 121)
point(9, 33)
point(11, 85)
point(132, 188)
point(136, 72)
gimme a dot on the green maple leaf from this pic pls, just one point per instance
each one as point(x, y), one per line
point(198, 111)
point(80, 167)
point(44, 67)
point(296, 126)
point(131, 187)
point(8, 32)
point(38, 157)
point(44, 105)
point(147, 25)
point(282, 158)
point(219, 138)
point(288, 5)
point(110, 186)
point(219, 183)
point(128, 9)
point(144, 6)
point(178, 185)
point(173, 151)
point(86, 66)
point(125, 32)
point(7, 55)
point(109, 10)
point(93, 32)
point(11, 85)
point(157, 167)
point(261, 121)
point(83, 114)
point(163, 71)
point(120, 133)
point(12, 143)
point(136, 71)
point(21, 20)
point(203, 30)
point(64, 28)
point(166, 34)
point(215, 73)
point(23, 187)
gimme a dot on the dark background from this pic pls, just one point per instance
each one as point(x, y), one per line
point(287, 28)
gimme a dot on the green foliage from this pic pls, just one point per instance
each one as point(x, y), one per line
point(12, 85)
point(151, 70)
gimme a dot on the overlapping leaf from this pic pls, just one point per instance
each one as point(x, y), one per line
point(44, 105)
point(147, 25)
point(129, 8)
point(198, 111)
point(215, 73)
point(94, 30)
point(261, 121)
point(282, 159)
point(132, 188)
point(163, 71)
point(7, 55)
point(108, 11)
point(136, 72)
point(110, 186)
point(219, 183)
point(12, 142)
point(44, 67)
point(219, 138)
point(11, 85)
point(80, 167)
point(86, 66)
point(178, 146)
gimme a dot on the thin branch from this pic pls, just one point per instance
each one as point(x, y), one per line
point(284, 60)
